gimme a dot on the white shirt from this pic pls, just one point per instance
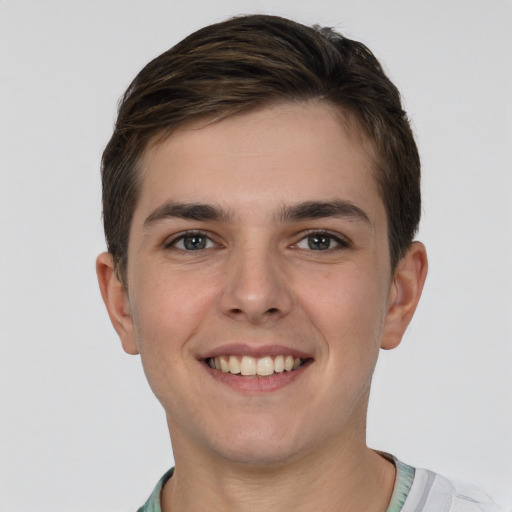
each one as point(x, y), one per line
point(431, 492)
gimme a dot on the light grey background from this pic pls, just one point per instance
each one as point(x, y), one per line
point(79, 428)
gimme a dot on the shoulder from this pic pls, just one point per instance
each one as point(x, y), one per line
point(431, 492)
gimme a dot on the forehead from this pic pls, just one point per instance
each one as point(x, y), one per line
point(282, 154)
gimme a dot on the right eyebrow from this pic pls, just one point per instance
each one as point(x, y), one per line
point(191, 211)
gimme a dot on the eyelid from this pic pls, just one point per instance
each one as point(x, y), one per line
point(342, 241)
point(171, 241)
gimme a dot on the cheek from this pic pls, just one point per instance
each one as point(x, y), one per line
point(349, 304)
point(167, 310)
point(348, 310)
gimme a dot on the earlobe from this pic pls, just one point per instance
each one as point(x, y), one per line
point(116, 301)
point(404, 294)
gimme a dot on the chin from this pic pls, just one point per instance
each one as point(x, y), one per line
point(265, 444)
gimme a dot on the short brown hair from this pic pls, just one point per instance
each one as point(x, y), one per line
point(246, 63)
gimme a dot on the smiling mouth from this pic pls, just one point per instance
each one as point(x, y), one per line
point(255, 366)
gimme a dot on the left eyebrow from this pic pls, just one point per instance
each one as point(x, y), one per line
point(321, 209)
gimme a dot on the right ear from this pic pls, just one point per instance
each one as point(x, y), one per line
point(116, 300)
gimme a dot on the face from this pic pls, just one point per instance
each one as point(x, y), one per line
point(259, 287)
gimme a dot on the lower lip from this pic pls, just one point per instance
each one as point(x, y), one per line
point(253, 384)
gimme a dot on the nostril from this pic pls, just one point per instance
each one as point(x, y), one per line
point(272, 310)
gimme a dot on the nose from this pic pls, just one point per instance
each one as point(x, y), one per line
point(256, 287)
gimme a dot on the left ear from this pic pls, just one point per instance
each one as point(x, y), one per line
point(404, 294)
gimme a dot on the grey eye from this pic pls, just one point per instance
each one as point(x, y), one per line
point(319, 242)
point(193, 242)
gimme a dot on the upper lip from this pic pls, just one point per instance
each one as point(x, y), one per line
point(241, 349)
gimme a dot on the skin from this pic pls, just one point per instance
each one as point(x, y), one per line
point(262, 283)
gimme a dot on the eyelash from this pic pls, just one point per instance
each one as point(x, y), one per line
point(341, 242)
point(172, 244)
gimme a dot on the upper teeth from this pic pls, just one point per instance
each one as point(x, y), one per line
point(247, 365)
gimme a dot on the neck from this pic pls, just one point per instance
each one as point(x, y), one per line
point(342, 478)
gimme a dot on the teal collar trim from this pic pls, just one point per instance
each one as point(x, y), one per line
point(153, 504)
point(403, 483)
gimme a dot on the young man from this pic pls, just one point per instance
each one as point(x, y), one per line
point(261, 194)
